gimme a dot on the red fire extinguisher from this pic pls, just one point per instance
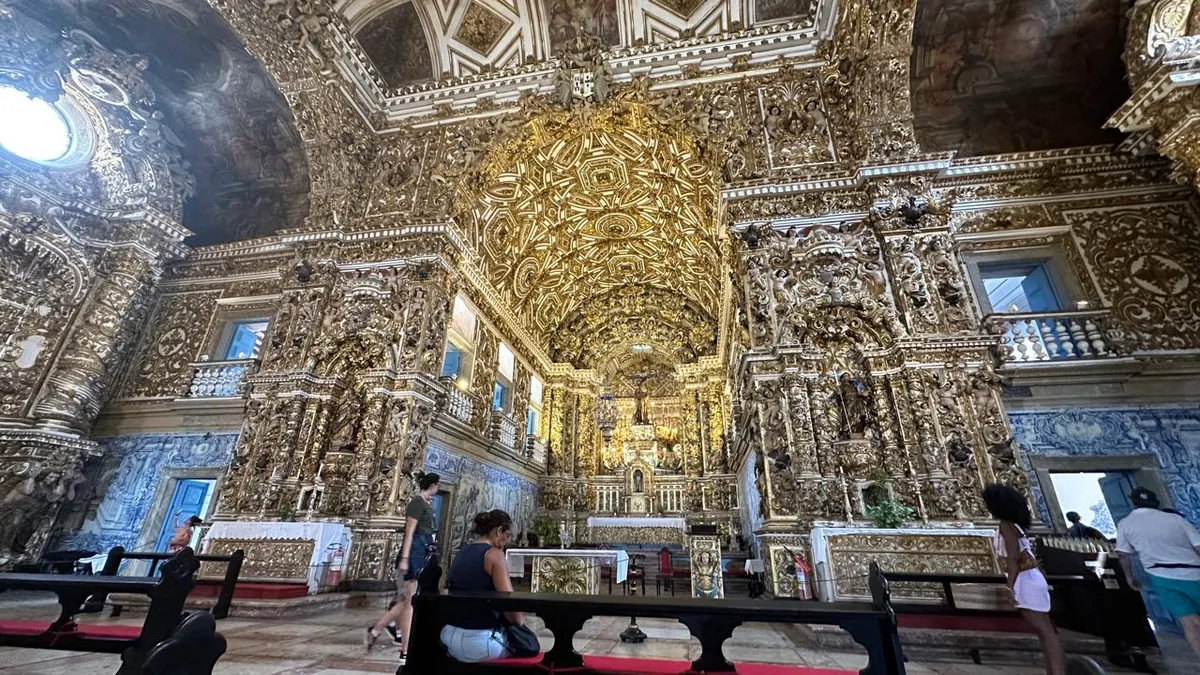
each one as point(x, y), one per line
point(335, 568)
point(803, 586)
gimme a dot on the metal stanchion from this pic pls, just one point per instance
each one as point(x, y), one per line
point(632, 633)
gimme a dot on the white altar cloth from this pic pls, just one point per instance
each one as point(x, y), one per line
point(619, 559)
point(636, 521)
point(326, 538)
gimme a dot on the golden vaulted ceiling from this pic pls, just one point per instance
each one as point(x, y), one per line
point(599, 228)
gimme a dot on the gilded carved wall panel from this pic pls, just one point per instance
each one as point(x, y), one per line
point(161, 367)
point(1145, 259)
point(844, 305)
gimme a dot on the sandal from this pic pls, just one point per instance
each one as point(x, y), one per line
point(372, 636)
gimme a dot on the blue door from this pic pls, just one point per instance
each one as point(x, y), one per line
point(187, 501)
point(1116, 486)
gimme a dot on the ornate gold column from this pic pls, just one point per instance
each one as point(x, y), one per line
point(89, 362)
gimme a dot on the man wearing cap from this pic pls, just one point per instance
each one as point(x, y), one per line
point(1169, 548)
point(1079, 530)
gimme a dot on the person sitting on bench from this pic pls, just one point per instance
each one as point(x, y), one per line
point(481, 566)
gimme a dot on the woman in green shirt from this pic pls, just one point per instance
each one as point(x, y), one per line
point(416, 551)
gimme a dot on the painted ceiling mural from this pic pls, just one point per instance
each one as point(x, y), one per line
point(997, 76)
point(231, 124)
point(395, 42)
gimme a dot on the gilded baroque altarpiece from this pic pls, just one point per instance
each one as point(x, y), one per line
point(742, 253)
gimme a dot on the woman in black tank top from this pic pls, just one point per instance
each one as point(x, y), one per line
point(481, 566)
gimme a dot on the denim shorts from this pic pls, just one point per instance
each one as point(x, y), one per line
point(418, 555)
point(472, 646)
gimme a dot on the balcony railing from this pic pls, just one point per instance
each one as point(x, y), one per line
point(503, 430)
point(1055, 336)
point(459, 403)
point(220, 379)
point(535, 449)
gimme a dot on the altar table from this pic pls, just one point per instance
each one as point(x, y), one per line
point(282, 552)
point(570, 571)
point(637, 530)
point(841, 557)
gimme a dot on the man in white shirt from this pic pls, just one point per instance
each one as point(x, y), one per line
point(1169, 548)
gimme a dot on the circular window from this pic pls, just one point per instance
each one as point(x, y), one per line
point(32, 128)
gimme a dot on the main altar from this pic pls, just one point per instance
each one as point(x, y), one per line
point(637, 530)
point(568, 571)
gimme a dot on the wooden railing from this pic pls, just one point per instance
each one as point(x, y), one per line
point(220, 379)
point(169, 640)
point(871, 624)
point(1054, 336)
point(220, 609)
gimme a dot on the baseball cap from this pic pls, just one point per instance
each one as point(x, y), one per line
point(1144, 497)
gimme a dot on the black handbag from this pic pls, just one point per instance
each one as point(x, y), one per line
point(521, 641)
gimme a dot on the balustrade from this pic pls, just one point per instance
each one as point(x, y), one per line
point(216, 379)
point(608, 498)
point(503, 430)
point(670, 498)
point(459, 403)
point(535, 449)
point(1055, 336)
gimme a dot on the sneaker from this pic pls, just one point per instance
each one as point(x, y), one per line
point(372, 636)
point(403, 658)
point(391, 629)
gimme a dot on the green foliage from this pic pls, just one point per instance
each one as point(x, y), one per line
point(545, 529)
point(889, 512)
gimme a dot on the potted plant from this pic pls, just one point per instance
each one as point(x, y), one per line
point(882, 507)
point(544, 533)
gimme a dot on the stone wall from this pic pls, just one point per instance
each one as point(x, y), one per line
point(127, 486)
point(479, 487)
point(1170, 433)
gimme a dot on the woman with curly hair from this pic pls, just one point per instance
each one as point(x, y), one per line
point(1031, 593)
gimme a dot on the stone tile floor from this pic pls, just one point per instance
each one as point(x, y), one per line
point(331, 644)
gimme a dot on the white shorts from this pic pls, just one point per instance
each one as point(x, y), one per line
point(472, 646)
point(1031, 591)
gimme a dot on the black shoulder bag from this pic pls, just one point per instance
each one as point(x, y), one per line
point(519, 640)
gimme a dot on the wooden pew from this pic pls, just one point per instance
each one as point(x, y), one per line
point(220, 609)
point(165, 643)
point(1060, 584)
point(871, 624)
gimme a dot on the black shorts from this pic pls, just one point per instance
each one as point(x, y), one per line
point(419, 553)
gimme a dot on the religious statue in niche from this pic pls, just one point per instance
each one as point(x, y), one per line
point(639, 398)
point(639, 481)
point(346, 421)
point(855, 410)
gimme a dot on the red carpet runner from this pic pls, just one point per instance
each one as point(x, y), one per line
point(626, 666)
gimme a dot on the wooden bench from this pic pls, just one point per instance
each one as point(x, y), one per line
point(947, 615)
point(168, 642)
point(228, 585)
point(712, 622)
